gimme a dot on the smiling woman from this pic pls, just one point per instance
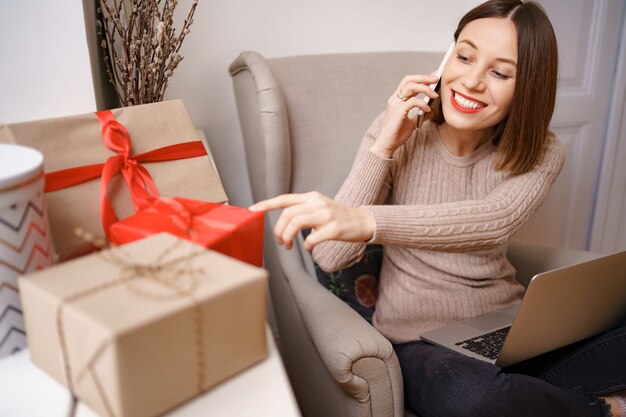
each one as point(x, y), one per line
point(444, 199)
point(520, 135)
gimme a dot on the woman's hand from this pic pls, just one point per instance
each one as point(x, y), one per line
point(331, 220)
point(398, 124)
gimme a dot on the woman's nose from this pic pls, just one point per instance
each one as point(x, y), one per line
point(473, 80)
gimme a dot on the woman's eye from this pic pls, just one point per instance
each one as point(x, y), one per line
point(500, 75)
point(462, 58)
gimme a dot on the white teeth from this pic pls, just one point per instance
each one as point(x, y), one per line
point(463, 102)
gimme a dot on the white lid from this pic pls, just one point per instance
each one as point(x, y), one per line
point(17, 164)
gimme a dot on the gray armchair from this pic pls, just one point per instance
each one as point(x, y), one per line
point(302, 120)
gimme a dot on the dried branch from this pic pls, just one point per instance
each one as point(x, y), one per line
point(141, 46)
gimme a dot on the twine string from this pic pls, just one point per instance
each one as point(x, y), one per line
point(176, 278)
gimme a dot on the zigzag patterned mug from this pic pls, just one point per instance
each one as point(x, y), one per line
point(24, 235)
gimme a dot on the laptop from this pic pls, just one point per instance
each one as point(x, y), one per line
point(559, 307)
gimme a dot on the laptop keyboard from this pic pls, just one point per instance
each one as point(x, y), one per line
point(488, 345)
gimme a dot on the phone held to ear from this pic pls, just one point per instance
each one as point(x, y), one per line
point(435, 86)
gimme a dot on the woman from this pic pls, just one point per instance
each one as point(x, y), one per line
point(445, 199)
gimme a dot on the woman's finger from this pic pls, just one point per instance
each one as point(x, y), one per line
point(286, 217)
point(414, 102)
point(318, 236)
point(418, 78)
point(411, 80)
point(281, 201)
point(412, 89)
point(310, 219)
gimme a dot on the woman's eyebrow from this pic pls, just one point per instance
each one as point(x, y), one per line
point(473, 45)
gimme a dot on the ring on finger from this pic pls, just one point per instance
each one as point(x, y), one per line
point(400, 96)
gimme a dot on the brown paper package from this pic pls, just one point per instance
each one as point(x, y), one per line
point(73, 141)
point(132, 348)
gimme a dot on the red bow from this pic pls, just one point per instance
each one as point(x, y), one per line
point(184, 214)
point(140, 184)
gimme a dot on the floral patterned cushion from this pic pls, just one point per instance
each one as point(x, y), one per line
point(356, 285)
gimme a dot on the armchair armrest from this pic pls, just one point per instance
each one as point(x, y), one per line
point(356, 355)
point(530, 258)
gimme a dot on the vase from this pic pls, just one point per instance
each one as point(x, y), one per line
point(25, 244)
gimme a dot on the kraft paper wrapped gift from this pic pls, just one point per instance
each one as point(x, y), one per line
point(233, 231)
point(139, 329)
point(77, 141)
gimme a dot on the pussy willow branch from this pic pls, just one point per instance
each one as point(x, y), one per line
point(141, 46)
point(174, 58)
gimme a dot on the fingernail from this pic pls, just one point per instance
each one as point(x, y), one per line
point(253, 208)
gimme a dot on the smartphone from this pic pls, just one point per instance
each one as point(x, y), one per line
point(435, 86)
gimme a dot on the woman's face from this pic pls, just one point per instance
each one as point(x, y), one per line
point(479, 79)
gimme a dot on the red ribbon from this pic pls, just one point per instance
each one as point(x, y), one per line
point(140, 184)
point(182, 212)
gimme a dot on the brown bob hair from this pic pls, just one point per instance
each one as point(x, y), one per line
point(521, 136)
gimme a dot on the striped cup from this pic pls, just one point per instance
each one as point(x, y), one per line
point(24, 235)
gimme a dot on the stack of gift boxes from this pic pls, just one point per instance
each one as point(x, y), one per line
point(176, 302)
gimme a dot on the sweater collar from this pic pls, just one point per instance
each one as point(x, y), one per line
point(482, 151)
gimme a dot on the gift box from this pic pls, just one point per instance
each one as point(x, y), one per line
point(157, 322)
point(133, 141)
point(233, 231)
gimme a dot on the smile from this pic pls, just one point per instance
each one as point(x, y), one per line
point(464, 104)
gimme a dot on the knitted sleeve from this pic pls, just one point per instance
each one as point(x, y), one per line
point(367, 183)
point(471, 224)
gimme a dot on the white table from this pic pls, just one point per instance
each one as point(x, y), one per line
point(260, 391)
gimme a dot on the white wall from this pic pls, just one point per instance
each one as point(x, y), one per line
point(44, 69)
point(224, 28)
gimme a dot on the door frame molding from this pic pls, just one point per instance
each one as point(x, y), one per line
point(609, 220)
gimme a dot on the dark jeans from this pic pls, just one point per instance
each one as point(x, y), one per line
point(562, 383)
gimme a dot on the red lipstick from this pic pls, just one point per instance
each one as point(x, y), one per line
point(464, 109)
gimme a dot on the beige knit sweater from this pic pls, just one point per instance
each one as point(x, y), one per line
point(445, 222)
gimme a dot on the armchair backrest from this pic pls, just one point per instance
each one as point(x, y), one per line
point(303, 126)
